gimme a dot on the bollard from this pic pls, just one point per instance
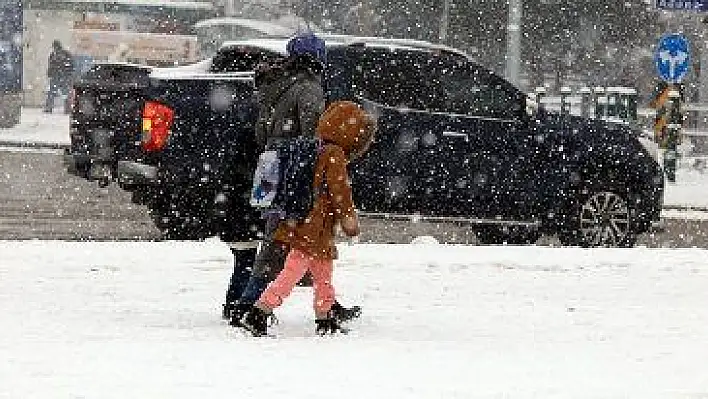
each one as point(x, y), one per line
point(627, 105)
point(600, 103)
point(540, 94)
point(613, 103)
point(623, 105)
point(586, 102)
point(630, 94)
point(565, 102)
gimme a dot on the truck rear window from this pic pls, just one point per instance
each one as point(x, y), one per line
point(241, 59)
point(118, 74)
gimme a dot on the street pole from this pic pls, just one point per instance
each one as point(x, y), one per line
point(444, 21)
point(513, 41)
point(673, 134)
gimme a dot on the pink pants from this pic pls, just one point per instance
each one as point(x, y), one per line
point(296, 264)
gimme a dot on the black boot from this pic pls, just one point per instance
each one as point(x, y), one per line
point(227, 310)
point(329, 326)
point(256, 322)
point(243, 264)
point(239, 310)
point(342, 314)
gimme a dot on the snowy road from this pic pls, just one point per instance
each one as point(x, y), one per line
point(39, 200)
point(141, 320)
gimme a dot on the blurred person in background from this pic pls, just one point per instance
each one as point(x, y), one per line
point(60, 73)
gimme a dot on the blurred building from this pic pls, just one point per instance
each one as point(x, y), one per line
point(156, 32)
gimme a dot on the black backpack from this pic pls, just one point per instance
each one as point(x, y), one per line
point(283, 180)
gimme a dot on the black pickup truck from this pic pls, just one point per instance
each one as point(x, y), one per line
point(456, 142)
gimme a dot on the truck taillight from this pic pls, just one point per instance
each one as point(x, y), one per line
point(157, 120)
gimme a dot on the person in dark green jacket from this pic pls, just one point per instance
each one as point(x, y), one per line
point(291, 100)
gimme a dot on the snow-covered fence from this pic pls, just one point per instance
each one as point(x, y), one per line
point(613, 103)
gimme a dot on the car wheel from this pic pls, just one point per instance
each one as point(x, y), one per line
point(509, 235)
point(81, 169)
point(601, 218)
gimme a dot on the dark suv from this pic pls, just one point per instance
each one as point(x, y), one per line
point(456, 142)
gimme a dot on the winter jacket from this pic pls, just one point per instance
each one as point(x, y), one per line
point(290, 99)
point(61, 65)
point(346, 132)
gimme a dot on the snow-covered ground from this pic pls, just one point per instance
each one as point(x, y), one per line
point(690, 189)
point(141, 320)
point(129, 319)
point(39, 127)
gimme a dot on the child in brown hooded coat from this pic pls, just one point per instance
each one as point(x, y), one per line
point(346, 132)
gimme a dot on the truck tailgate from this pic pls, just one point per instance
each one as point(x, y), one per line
point(213, 124)
point(107, 110)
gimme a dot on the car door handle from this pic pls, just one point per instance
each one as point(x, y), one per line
point(448, 133)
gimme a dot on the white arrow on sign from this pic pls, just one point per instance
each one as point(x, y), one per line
point(673, 60)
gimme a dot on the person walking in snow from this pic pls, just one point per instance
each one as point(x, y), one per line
point(290, 102)
point(346, 131)
point(60, 73)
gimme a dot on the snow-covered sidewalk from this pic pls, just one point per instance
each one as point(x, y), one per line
point(690, 189)
point(141, 320)
point(39, 127)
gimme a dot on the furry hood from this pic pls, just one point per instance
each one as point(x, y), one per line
point(348, 126)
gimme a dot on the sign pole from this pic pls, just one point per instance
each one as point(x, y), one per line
point(673, 134)
point(444, 21)
point(513, 41)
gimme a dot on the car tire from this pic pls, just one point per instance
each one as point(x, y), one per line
point(599, 217)
point(81, 169)
point(507, 235)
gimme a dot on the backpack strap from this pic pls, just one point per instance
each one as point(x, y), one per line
point(320, 184)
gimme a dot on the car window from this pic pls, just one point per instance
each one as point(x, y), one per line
point(394, 78)
point(338, 81)
point(241, 59)
point(469, 89)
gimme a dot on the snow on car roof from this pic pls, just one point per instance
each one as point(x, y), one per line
point(122, 63)
point(278, 44)
point(156, 3)
point(393, 43)
point(200, 67)
point(197, 71)
point(266, 27)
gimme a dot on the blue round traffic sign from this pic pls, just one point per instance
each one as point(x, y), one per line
point(672, 58)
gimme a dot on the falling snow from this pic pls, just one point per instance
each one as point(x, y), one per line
point(508, 128)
